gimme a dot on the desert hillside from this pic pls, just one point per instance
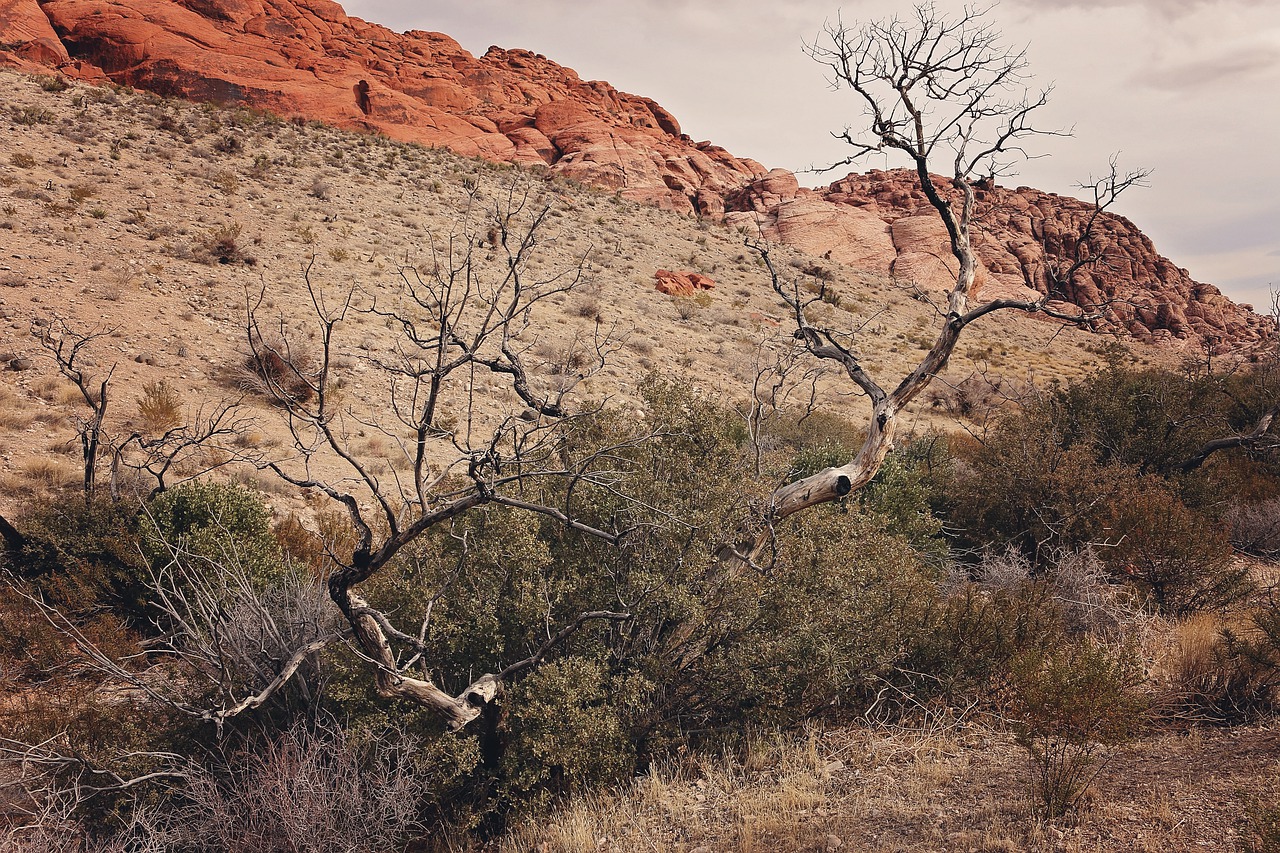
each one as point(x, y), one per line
point(307, 58)
point(154, 220)
point(408, 450)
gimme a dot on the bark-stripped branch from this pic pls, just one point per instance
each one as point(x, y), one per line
point(461, 318)
point(938, 90)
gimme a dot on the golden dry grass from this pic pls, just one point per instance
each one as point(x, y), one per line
point(50, 474)
point(961, 786)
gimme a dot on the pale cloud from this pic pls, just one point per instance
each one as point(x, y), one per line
point(1164, 8)
point(1226, 68)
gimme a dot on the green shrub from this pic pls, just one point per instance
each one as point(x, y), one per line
point(1057, 477)
point(969, 637)
point(82, 556)
point(567, 731)
point(904, 492)
point(204, 521)
point(1179, 558)
point(828, 611)
point(1070, 705)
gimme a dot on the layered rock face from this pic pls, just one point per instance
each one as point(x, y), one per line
point(308, 58)
point(882, 220)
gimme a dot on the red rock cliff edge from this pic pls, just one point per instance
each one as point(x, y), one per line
point(308, 58)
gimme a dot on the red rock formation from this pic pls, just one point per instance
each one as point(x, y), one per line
point(882, 220)
point(682, 283)
point(308, 58)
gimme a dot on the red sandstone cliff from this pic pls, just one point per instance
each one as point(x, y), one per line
point(308, 58)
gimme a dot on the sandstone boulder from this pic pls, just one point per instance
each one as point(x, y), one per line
point(681, 283)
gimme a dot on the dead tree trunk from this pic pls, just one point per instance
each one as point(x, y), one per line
point(931, 87)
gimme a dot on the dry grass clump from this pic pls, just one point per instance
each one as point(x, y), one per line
point(14, 412)
point(1215, 667)
point(50, 475)
point(159, 407)
point(773, 799)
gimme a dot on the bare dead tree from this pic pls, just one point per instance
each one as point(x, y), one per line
point(1086, 250)
point(156, 456)
point(67, 347)
point(779, 382)
point(185, 447)
point(464, 318)
point(225, 643)
point(943, 92)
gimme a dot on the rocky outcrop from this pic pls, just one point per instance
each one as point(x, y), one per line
point(883, 221)
point(682, 283)
point(308, 58)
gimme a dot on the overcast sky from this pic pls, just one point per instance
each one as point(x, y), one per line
point(1187, 88)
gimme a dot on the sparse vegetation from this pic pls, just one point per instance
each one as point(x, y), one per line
point(896, 625)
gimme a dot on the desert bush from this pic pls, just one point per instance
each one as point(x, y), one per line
point(1177, 557)
point(813, 629)
point(1224, 671)
point(1030, 486)
point(904, 492)
point(975, 397)
point(1091, 599)
point(1255, 527)
point(203, 522)
point(567, 731)
point(159, 407)
point(52, 82)
point(230, 143)
point(31, 116)
point(1070, 705)
point(82, 191)
point(82, 556)
point(320, 188)
point(221, 245)
point(587, 307)
point(308, 790)
point(277, 371)
point(969, 636)
point(1211, 673)
point(687, 307)
point(1021, 488)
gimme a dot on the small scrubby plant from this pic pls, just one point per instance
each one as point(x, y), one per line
point(1071, 705)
